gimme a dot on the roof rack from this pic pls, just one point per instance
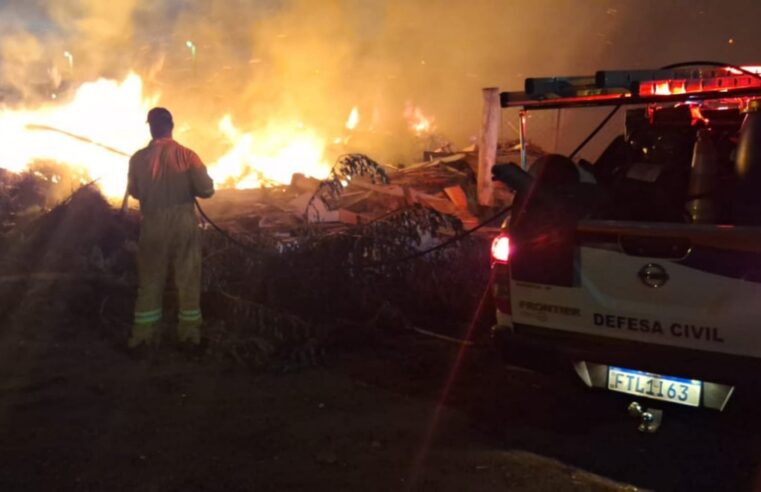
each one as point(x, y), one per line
point(629, 87)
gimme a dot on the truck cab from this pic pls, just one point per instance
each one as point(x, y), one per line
point(641, 271)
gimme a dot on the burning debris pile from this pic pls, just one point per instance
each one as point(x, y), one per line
point(322, 258)
point(358, 191)
point(62, 263)
point(288, 270)
point(25, 195)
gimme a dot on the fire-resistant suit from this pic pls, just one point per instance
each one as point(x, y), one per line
point(166, 177)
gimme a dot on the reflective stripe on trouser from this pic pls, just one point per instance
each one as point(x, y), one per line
point(147, 317)
point(169, 236)
point(189, 315)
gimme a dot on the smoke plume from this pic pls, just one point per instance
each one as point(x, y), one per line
point(312, 61)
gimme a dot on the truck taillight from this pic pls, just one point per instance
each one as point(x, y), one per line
point(500, 249)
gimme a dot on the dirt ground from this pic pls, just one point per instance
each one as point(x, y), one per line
point(78, 412)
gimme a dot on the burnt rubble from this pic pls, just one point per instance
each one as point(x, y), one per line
point(297, 269)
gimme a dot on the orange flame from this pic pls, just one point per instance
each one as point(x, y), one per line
point(418, 122)
point(271, 155)
point(105, 111)
point(94, 133)
point(353, 120)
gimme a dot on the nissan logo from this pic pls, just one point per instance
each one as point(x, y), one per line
point(653, 275)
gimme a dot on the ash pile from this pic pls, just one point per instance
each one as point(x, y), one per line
point(290, 272)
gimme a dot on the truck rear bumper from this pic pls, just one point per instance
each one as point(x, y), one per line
point(549, 350)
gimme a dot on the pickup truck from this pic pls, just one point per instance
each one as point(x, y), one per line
point(640, 271)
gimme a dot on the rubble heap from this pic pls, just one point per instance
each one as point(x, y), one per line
point(298, 268)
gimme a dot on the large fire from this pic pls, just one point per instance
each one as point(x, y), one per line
point(107, 112)
point(93, 134)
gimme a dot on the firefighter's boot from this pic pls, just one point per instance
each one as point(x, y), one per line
point(189, 331)
point(147, 334)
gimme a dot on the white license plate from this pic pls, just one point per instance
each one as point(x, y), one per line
point(649, 385)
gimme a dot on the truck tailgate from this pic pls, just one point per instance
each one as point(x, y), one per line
point(700, 288)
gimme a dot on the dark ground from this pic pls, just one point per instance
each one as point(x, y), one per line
point(79, 413)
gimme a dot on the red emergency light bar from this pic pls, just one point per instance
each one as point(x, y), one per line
point(727, 80)
point(610, 88)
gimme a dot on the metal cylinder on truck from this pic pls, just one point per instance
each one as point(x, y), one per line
point(703, 177)
point(747, 196)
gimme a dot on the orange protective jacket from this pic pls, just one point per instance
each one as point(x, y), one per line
point(165, 174)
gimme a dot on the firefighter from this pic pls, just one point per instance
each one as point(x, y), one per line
point(166, 177)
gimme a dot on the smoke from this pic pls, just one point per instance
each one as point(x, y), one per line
point(311, 61)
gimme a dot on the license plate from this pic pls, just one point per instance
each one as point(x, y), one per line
point(649, 385)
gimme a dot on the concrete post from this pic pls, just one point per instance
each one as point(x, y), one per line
point(487, 145)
